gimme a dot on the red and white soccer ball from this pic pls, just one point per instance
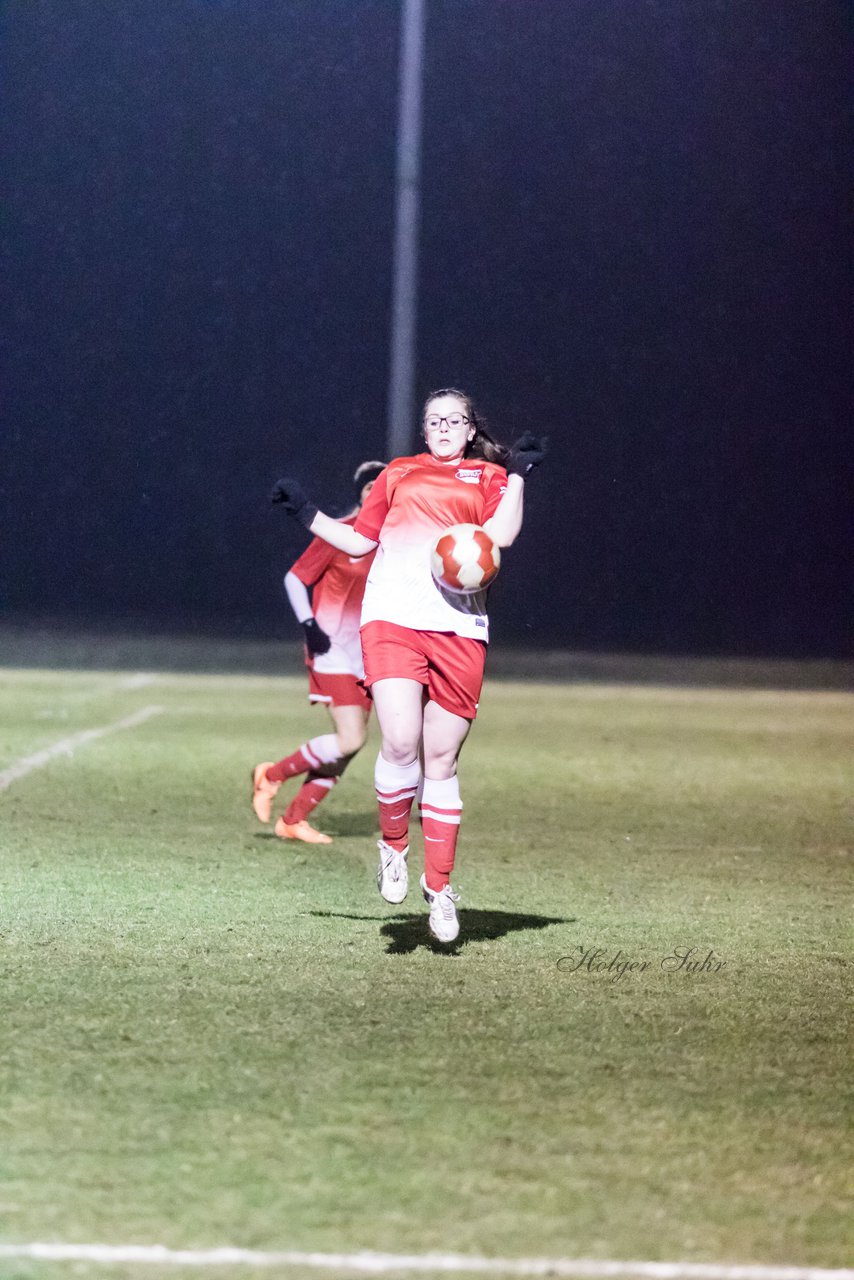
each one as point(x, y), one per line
point(464, 559)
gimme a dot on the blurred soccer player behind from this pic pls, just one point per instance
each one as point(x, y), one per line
point(425, 648)
point(325, 588)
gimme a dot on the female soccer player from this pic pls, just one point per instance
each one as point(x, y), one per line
point(330, 620)
point(424, 650)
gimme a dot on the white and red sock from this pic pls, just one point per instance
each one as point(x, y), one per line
point(309, 796)
point(323, 750)
point(441, 810)
point(396, 786)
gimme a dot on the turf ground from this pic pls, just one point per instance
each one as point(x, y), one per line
point(210, 1037)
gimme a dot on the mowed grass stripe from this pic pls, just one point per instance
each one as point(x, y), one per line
point(210, 1034)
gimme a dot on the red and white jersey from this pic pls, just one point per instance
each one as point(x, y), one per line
point(411, 502)
point(338, 584)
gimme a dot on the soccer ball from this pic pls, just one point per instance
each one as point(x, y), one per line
point(464, 559)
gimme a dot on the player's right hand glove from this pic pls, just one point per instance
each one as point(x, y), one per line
point(316, 639)
point(291, 495)
point(526, 453)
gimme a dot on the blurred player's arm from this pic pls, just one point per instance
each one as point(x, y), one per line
point(298, 598)
point(316, 639)
point(341, 535)
point(291, 495)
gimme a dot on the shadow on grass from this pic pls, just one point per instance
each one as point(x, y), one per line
point(348, 825)
point(343, 826)
point(408, 933)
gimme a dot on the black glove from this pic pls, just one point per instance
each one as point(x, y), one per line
point(526, 453)
point(316, 639)
point(291, 495)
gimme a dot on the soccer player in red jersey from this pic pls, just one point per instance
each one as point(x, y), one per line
point(325, 588)
point(424, 649)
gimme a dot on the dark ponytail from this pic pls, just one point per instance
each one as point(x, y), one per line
point(485, 446)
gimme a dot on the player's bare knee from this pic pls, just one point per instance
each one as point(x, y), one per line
point(399, 751)
point(440, 765)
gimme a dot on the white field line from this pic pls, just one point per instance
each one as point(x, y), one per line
point(27, 764)
point(383, 1263)
point(137, 681)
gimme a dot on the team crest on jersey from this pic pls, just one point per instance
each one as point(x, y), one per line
point(469, 475)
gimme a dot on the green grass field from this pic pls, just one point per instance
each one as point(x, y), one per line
point(210, 1037)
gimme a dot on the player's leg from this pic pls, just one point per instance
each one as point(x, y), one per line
point(396, 673)
point(322, 754)
point(322, 750)
point(397, 772)
point(441, 806)
point(311, 757)
point(351, 728)
point(350, 721)
point(294, 824)
point(455, 679)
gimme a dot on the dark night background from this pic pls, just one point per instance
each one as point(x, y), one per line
point(633, 236)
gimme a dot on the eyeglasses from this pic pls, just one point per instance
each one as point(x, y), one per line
point(454, 421)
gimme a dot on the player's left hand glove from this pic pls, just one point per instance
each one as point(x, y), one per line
point(291, 495)
point(316, 639)
point(526, 453)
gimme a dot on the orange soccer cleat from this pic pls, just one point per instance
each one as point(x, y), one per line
point(263, 791)
point(301, 830)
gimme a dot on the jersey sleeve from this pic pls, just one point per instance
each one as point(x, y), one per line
point(495, 488)
point(372, 516)
point(313, 562)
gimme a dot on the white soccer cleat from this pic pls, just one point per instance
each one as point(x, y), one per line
point(443, 921)
point(392, 873)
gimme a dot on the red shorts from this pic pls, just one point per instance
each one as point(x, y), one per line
point(341, 690)
point(449, 666)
